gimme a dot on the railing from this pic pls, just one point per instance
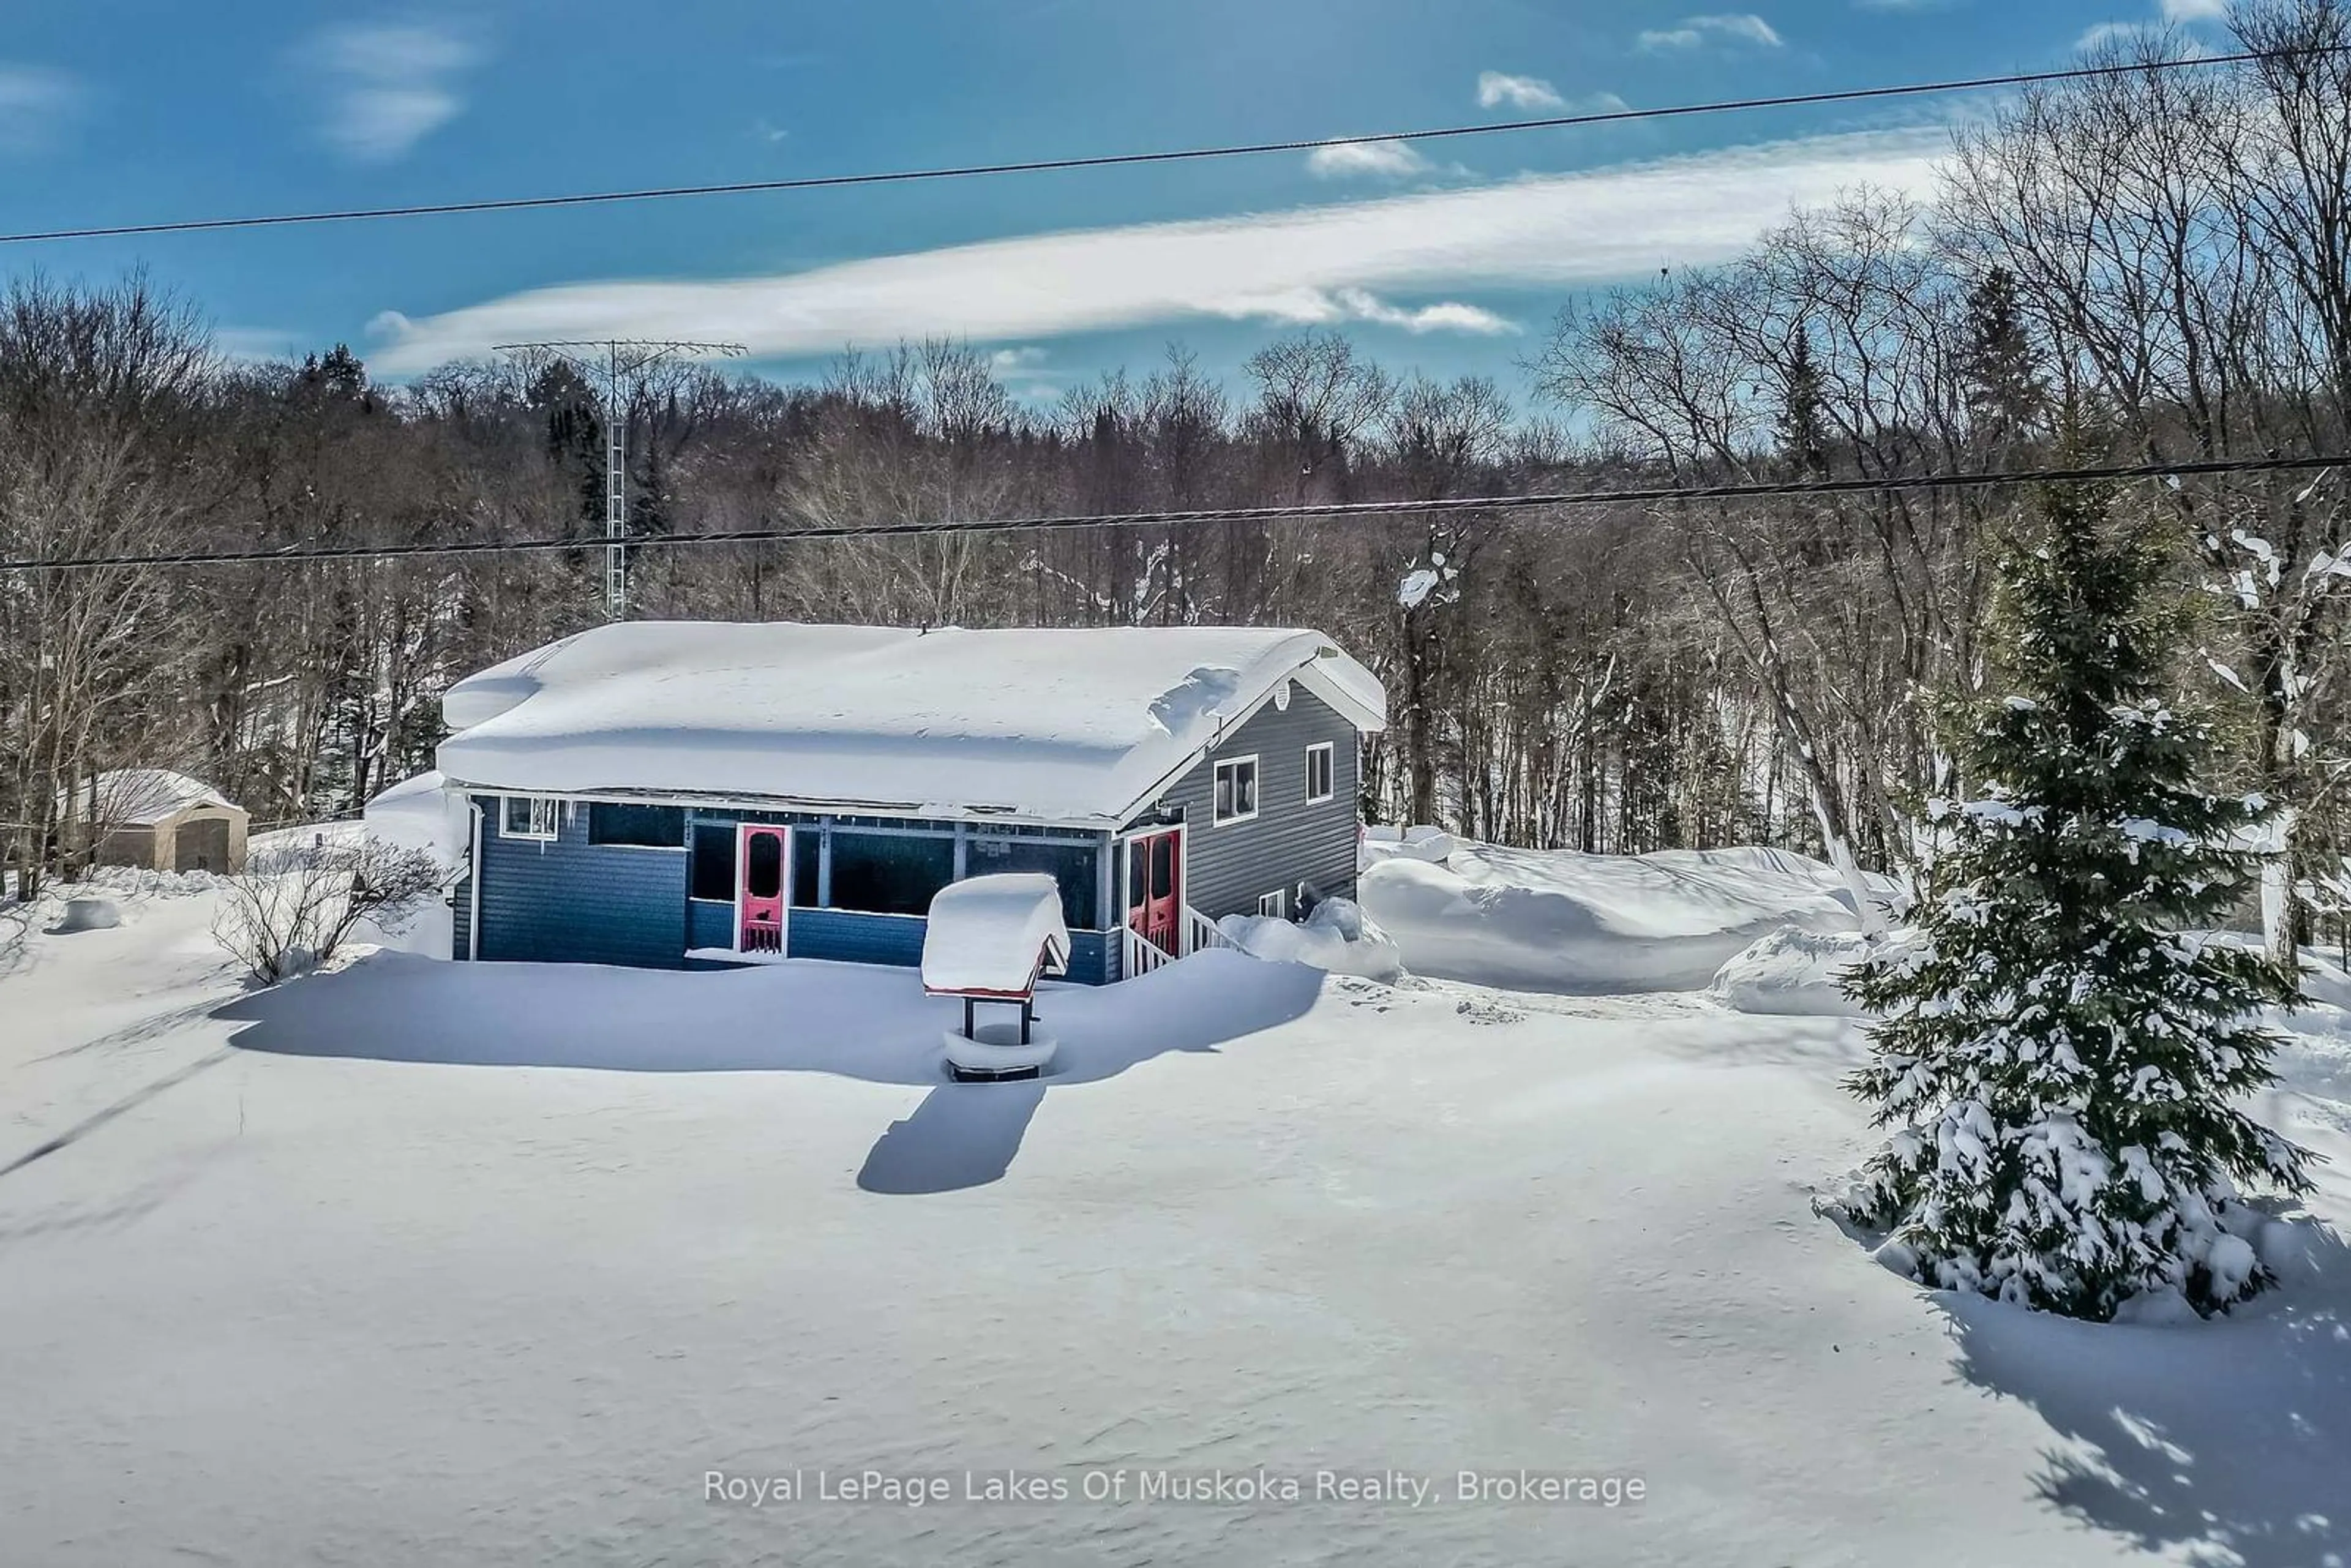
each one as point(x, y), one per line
point(1140, 953)
point(1195, 933)
point(1200, 932)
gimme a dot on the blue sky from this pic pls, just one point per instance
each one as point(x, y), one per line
point(1449, 257)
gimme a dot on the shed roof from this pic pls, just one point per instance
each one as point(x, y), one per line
point(141, 797)
point(1063, 725)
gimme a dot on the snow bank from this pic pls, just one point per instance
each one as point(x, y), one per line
point(1559, 920)
point(986, 933)
point(1336, 937)
point(421, 813)
point(2325, 990)
point(1414, 844)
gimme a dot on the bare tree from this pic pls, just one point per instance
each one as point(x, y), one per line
point(292, 909)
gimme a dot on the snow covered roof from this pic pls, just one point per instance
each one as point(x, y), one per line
point(1080, 726)
point(989, 933)
point(141, 797)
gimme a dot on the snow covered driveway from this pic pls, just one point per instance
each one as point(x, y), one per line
point(419, 1262)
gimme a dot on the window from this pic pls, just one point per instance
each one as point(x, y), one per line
point(711, 875)
point(1236, 790)
point(1317, 771)
point(890, 873)
point(640, 827)
point(528, 817)
point(808, 854)
point(1075, 866)
point(1275, 903)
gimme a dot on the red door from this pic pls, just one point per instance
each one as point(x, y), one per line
point(761, 860)
point(1154, 887)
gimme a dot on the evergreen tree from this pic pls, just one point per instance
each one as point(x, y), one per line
point(2001, 371)
point(1801, 425)
point(2059, 1062)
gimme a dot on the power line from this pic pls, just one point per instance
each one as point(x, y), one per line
point(1169, 155)
point(1320, 511)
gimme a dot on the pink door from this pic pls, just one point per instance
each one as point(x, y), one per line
point(1154, 892)
point(761, 860)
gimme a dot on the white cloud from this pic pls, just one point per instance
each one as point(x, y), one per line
point(35, 103)
point(1498, 88)
point(389, 86)
point(2105, 33)
point(2173, 13)
point(1381, 160)
point(1022, 357)
point(1740, 28)
point(1341, 262)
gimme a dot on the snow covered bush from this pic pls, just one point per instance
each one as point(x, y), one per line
point(2058, 1062)
point(1796, 973)
point(291, 908)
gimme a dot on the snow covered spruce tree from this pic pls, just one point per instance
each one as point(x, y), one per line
point(2057, 1061)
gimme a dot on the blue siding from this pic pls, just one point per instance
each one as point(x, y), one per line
point(709, 925)
point(566, 900)
point(1093, 956)
point(461, 916)
point(569, 901)
point(855, 937)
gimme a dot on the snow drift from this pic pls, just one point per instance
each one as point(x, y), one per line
point(1558, 920)
point(1336, 938)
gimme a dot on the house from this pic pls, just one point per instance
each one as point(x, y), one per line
point(156, 818)
point(697, 794)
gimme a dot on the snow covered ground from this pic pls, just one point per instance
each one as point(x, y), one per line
point(456, 1264)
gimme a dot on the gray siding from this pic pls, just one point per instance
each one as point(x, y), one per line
point(1289, 841)
point(569, 901)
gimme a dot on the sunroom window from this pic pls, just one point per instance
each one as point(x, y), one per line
point(528, 817)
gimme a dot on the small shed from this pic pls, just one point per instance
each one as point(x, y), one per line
point(156, 818)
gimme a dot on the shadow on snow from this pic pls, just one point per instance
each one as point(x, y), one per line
point(2227, 1442)
point(854, 1020)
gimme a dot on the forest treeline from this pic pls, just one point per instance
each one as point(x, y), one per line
point(2144, 268)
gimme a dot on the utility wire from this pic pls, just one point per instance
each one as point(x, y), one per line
point(1172, 155)
point(1319, 511)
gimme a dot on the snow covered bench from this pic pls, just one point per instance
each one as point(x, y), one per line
point(991, 939)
